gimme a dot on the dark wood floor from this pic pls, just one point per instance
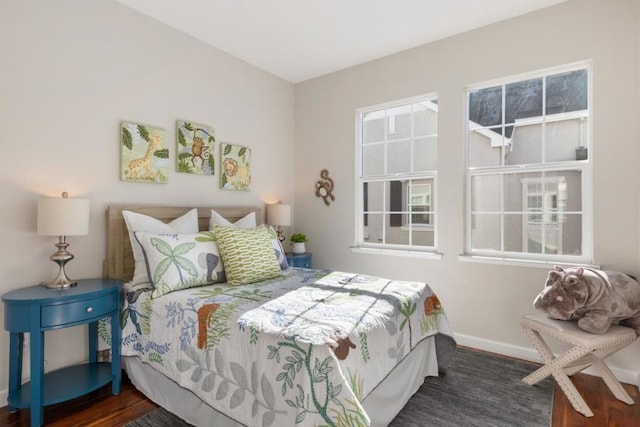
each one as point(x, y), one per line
point(100, 408)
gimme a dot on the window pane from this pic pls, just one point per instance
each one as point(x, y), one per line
point(422, 237)
point(520, 192)
point(425, 119)
point(372, 233)
point(399, 157)
point(373, 126)
point(420, 201)
point(516, 235)
point(421, 215)
point(552, 240)
point(571, 234)
point(425, 154)
point(485, 148)
point(485, 107)
point(399, 122)
point(485, 232)
point(397, 235)
point(523, 99)
point(485, 193)
point(569, 189)
point(373, 160)
point(567, 92)
point(525, 147)
point(375, 196)
point(563, 138)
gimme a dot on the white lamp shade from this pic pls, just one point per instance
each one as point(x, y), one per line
point(279, 214)
point(59, 216)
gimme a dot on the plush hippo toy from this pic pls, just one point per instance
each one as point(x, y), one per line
point(597, 299)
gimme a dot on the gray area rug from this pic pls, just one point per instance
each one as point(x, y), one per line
point(479, 389)
point(482, 390)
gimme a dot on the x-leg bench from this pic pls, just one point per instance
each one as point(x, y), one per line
point(588, 349)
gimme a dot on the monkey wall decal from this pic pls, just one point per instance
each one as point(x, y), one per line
point(324, 187)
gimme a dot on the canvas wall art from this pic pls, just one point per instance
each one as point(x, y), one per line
point(235, 161)
point(144, 156)
point(194, 148)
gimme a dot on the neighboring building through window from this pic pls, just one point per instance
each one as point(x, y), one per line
point(529, 167)
point(397, 155)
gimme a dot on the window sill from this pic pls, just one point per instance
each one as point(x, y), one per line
point(396, 252)
point(521, 262)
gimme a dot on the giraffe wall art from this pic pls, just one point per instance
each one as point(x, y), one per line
point(144, 155)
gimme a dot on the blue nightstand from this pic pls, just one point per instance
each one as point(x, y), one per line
point(299, 260)
point(37, 309)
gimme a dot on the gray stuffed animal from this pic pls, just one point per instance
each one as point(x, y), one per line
point(597, 299)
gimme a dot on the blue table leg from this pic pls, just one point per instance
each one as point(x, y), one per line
point(37, 374)
point(93, 342)
point(115, 352)
point(16, 341)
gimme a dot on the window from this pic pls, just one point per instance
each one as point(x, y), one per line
point(397, 154)
point(529, 167)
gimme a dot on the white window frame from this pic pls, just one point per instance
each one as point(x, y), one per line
point(584, 166)
point(360, 244)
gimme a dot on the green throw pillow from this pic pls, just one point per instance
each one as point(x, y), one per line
point(180, 261)
point(247, 254)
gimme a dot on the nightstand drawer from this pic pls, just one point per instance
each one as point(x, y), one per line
point(299, 260)
point(73, 312)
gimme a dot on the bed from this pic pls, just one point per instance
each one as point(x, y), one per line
point(306, 347)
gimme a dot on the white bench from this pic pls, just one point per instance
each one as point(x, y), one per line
point(588, 349)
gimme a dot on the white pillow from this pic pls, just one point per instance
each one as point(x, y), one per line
point(187, 223)
point(249, 221)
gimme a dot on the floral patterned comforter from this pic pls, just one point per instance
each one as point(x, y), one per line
point(305, 348)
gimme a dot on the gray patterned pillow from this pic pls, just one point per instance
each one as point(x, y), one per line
point(247, 253)
point(278, 249)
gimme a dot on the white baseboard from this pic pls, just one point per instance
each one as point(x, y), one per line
point(4, 394)
point(623, 375)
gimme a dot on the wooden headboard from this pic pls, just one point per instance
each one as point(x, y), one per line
point(119, 263)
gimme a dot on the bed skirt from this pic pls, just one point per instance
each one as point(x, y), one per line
point(382, 404)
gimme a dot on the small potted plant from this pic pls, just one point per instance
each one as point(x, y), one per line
point(297, 240)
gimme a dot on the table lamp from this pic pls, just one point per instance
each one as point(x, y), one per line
point(62, 217)
point(279, 215)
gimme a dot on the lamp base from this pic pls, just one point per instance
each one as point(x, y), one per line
point(61, 257)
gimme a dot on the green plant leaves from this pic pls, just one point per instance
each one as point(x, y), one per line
point(143, 132)
point(162, 154)
point(183, 248)
point(162, 246)
point(181, 139)
point(127, 139)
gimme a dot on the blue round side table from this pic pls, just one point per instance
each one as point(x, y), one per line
point(35, 310)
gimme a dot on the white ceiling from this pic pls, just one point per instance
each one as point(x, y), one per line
point(301, 39)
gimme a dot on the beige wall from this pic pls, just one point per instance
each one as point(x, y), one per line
point(70, 72)
point(483, 301)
